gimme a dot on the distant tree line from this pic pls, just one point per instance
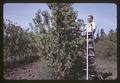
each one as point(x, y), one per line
point(101, 34)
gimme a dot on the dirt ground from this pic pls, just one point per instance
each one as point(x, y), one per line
point(33, 71)
point(40, 71)
point(106, 65)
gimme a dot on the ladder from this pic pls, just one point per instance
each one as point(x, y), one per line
point(90, 56)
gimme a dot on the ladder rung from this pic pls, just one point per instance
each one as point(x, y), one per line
point(92, 64)
point(91, 55)
point(88, 69)
point(90, 47)
point(92, 75)
point(90, 40)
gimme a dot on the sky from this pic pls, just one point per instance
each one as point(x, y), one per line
point(105, 15)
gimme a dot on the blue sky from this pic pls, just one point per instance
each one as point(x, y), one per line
point(105, 15)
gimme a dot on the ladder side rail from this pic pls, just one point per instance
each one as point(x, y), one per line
point(87, 59)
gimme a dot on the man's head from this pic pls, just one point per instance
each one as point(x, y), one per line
point(90, 18)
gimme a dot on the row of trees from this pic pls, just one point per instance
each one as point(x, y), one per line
point(18, 43)
point(102, 34)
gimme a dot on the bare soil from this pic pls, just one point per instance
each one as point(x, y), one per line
point(33, 71)
point(39, 70)
point(107, 65)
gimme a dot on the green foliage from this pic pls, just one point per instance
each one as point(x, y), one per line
point(17, 42)
point(107, 46)
point(46, 18)
point(97, 36)
point(59, 44)
point(102, 33)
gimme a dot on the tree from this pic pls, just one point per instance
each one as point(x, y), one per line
point(97, 36)
point(111, 31)
point(17, 43)
point(69, 44)
point(38, 23)
point(46, 19)
point(116, 29)
point(102, 33)
point(81, 26)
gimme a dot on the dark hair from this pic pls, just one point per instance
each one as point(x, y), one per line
point(90, 16)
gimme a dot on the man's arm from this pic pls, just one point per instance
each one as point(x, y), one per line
point(93, 27)
point(94, 30)
point(85, 28)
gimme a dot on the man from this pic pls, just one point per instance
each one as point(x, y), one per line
point(90, 26)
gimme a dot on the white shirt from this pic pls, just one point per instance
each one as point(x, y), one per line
point(90, 26)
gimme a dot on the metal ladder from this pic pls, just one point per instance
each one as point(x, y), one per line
point(90, 56)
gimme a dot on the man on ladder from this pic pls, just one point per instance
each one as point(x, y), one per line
point(89, 29)
point(90, 26)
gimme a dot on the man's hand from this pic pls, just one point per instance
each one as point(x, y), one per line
point(84, 30)
point(94, 31)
